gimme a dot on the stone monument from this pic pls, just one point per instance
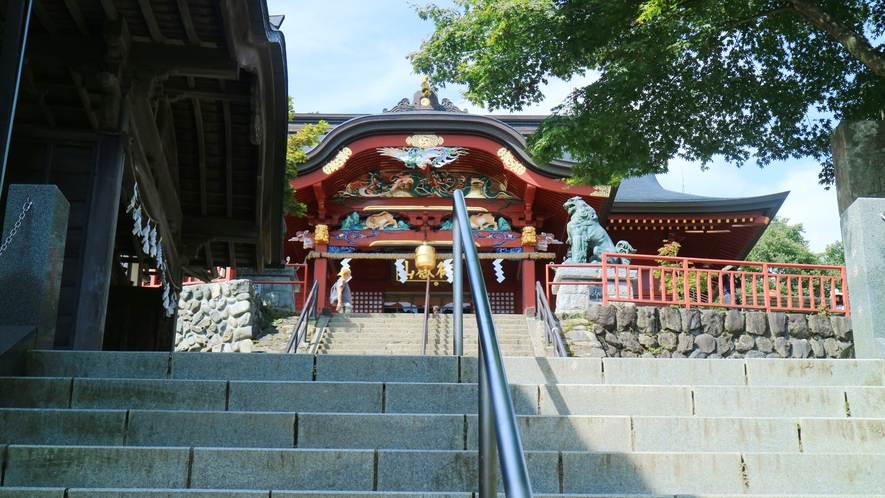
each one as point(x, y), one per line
point(859, 161)
point(276, 298)
point(588, 241)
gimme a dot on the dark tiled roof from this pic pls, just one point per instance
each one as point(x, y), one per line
point(647, 189)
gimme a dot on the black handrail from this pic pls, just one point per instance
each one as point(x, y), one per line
point(497, 418)
point(299, 332)
point(552, 331)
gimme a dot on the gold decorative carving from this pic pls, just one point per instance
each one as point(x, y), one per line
point(338, 162)
point(510, 162)
point(322, 234)
point(601, 191)
point(385, 207)
point(424, 141)
point(529, 236)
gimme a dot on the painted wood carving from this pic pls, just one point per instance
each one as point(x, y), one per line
point(410, 183)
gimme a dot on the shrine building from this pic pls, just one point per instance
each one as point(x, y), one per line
point(377, 186)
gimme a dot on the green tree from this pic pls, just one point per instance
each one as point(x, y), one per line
point(739, 79)
point(834, 254)
point(306, 137)
point(786, 243)
point(783, 243)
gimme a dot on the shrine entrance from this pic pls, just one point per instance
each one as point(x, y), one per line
point(391, 286)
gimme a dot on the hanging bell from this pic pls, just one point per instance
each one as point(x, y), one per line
point(425, 257)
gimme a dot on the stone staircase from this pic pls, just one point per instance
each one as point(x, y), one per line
point(400, 333)
point(161, 425)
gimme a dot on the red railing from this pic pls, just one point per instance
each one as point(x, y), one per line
point(667, 281)
point(226, 274)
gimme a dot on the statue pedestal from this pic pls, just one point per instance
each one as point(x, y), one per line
point(571, 299)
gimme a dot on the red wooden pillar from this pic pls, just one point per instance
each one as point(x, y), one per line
point(528, 271)
point(321, 266)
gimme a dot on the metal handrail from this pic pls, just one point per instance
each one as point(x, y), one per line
point(497, 419)
point(426, 317)
point(322, 323)
point(299, 332)
point(552, 331)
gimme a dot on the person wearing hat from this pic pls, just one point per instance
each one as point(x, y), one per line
point(341, 297)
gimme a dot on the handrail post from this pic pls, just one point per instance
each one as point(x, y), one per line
point(426, 317)
point(457, 286)
point(488, 448)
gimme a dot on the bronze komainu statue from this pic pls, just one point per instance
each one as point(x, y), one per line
point(588, 238)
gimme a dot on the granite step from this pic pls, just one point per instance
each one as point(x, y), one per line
point(235, 425)
point(432, 470)
point(340, 391)
point(330, 430)
point(15, 492)
point(854, 374)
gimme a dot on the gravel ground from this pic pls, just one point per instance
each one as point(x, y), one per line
point(274, 338)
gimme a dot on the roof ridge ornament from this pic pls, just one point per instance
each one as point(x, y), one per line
point(425, 99)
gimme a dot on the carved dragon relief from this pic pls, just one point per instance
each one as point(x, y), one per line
point(410, 183)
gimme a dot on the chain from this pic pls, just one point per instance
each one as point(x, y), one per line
point(17, 225)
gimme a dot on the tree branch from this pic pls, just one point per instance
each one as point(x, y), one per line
point(757, 16)
point(856, 44)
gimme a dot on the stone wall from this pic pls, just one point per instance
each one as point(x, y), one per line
point(649, 332)
point(218, 317)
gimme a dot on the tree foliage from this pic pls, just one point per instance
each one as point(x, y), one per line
point(306, 137)
point(783, 243)
point(745, 80)
point(834, 254)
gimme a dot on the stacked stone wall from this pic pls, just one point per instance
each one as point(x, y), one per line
point(649, 332)
point(218, 317)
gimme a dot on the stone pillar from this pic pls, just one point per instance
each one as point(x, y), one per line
point(859, 161)
point(31, 265)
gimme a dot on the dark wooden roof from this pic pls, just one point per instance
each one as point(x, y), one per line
point(203, 87)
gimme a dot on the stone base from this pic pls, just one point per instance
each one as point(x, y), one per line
point(279, 298)
point(220, 317)
point(572, 299)
point(863, 234)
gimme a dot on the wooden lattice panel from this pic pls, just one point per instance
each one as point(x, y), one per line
point(502, 302)
point(368, 302)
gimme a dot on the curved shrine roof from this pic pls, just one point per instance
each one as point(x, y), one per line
point(639, 209)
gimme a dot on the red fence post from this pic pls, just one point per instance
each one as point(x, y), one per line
point(685, 284)
point(605, 280)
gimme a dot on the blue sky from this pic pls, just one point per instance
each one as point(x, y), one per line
point(349, 56)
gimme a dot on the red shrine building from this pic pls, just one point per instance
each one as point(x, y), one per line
point(378, 186)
